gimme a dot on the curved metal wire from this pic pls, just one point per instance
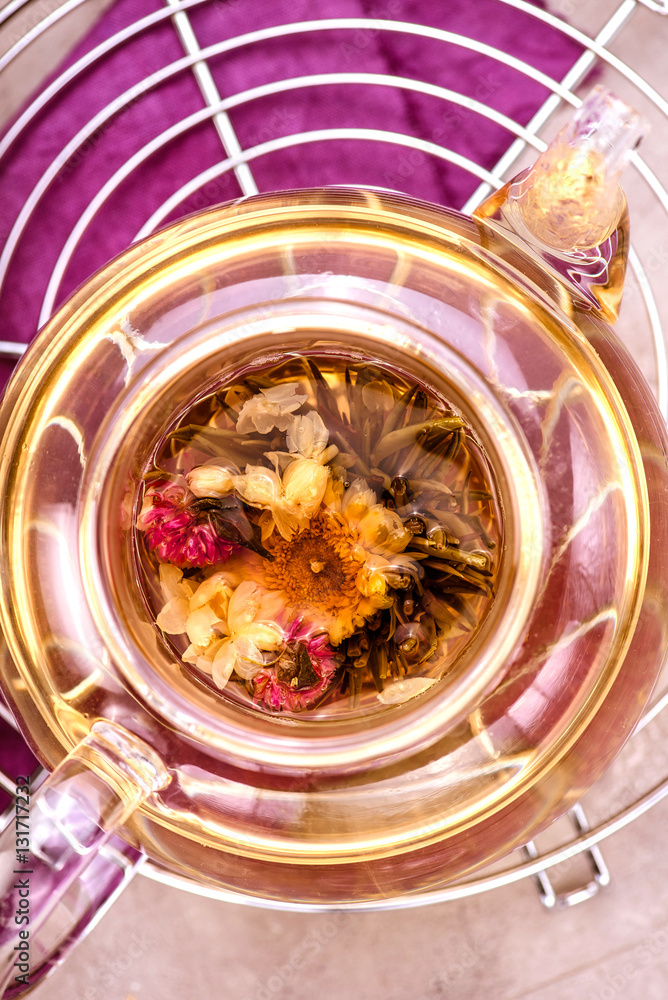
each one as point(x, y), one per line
point(596, 47)
point(267, 34)
point(270, 146)
point(559, 92)
point(456, 890)
point(229, 45)
point(11, 8)
point(34, 33)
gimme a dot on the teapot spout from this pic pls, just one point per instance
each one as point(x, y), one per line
point(571, 199)
point(569, 207)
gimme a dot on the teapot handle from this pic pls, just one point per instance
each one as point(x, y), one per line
point(62, 842)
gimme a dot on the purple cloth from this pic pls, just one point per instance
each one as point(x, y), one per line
point(369, 50)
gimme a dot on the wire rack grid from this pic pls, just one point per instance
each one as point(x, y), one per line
point(242, 166)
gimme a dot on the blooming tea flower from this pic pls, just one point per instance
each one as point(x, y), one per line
point(381, 538)
point(307, 436)
point(339, 533)
point(249, 631)
point(270, 408)
point(177, 593)
point(289, 501)
point(174, 532)
point(210, 481)
point(324, 575)
point(199, 611)
point(302, 673)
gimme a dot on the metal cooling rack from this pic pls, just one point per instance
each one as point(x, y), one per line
point(628, 790)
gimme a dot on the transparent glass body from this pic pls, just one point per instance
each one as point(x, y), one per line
point(366, 805)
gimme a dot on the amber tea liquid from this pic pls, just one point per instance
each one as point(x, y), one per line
point(319, 536)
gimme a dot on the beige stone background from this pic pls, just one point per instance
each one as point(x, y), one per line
point(158, 943)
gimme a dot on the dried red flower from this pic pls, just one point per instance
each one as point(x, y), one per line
point(176, 534)
point(301, 675)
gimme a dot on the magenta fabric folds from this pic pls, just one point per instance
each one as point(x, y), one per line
point(99, 149)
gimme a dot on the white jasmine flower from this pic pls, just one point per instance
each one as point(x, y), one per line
point(271, 408)
point(210, 481)
point(177, 593)
point(250, 634)
point(291, 501)
point(378, 529)
point(405, 689)
point(357, 500)
point(381, 539)
point(199, 611)
point(382, 530)
point(307, 435)
point(304, 483)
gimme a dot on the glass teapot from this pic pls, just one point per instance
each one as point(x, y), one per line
point(333, 542)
